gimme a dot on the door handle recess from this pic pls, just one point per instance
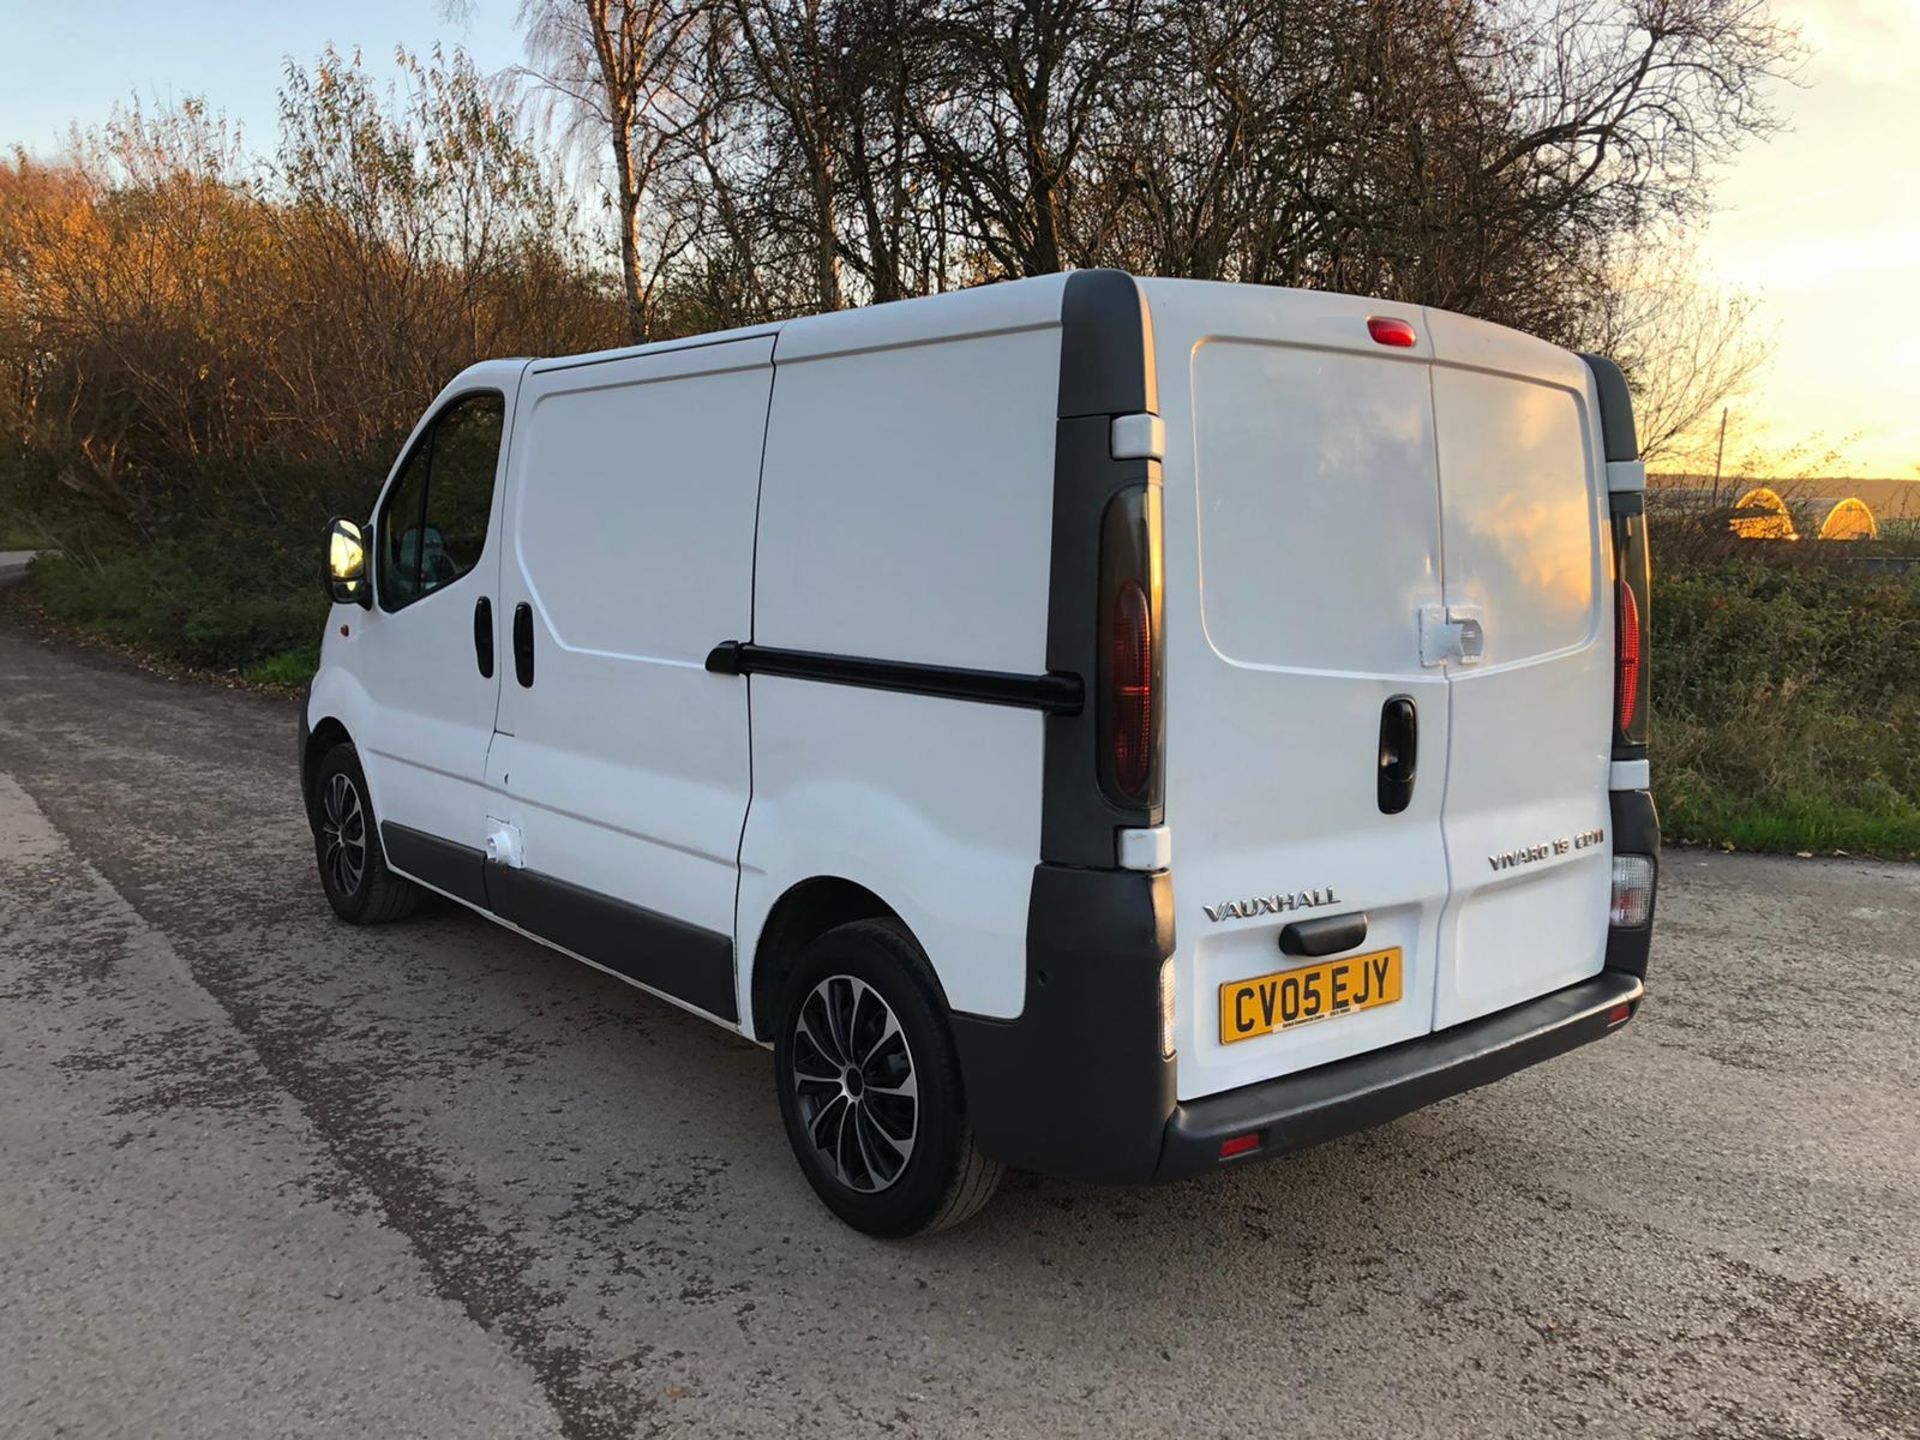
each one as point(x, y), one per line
point(483, 636)
point(523, 643)
point(1399, 753)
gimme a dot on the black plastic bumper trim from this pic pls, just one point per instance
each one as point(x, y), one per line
point(1076, 1085)
point(1636, 831)
point(1054, 693)
point(457, 870)
point(1296, 1111)
point(669, 955)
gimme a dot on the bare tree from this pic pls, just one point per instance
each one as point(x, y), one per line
point(1687, 348)
point(1030, 84)
point(626, 74)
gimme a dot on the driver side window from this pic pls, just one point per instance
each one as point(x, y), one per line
point(434, 524)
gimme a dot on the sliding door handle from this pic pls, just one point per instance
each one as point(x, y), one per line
point(483, 636)
point(523, 643)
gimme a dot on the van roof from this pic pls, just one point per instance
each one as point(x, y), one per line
point(1034, 302)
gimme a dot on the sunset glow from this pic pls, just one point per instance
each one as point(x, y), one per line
point(1823, 223)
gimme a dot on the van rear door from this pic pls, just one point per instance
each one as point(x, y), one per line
point(1302, 540)
point(1525, 815)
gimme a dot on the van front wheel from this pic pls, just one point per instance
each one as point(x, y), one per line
point(346, 844)
point(869, 1086)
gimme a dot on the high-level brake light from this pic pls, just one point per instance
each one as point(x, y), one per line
point(1388, 331)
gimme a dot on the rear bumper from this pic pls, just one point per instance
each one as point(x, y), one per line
point(1296, 1111)
point(1076, 1086)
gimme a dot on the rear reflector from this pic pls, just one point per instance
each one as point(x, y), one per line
point(1166, 1008)
point(1632, 903)
point(1397, 333)
point(1239, 1145)
point(1620, 1014)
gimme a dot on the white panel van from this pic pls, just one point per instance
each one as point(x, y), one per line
point(1116, 728)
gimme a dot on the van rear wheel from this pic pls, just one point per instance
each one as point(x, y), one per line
point(869, 1086)
point(346, 845)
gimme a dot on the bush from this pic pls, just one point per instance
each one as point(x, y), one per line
point(208, 606)
point(1786, 707)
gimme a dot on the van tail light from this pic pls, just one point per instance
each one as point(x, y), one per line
point(1626, 704)
point(1632, 631)
point(1632, 902)
point(1130, 681)
point(1131, 702)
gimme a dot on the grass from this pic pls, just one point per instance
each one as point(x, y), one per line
point(288, 670)
point(236, 610)
point(1786, 707)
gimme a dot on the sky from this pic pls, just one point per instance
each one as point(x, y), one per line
point(1821, 223)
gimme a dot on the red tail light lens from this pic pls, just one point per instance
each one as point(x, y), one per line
point(1626, 703)
point(1130, 687)
point(1128, 700)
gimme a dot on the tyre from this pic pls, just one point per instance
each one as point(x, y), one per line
point(346, 845)
point(869, 1085)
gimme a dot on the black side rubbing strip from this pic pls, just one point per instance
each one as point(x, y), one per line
point(458, 870)
point(682, 960)
point(1055, 694)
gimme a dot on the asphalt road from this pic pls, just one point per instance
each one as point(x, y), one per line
point(264, 1174)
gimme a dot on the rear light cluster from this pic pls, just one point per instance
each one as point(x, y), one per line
point(1130, 697)
point(1632, 903)
point(1131, 701)
point(1631, 637)
point(1626, 705)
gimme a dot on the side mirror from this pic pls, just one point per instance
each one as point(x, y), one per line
point(347, 578)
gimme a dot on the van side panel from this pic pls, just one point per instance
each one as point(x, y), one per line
point(905, 515)
point(625, 765)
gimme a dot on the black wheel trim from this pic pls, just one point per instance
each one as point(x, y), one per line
point(343, 834)
point(855, 1088)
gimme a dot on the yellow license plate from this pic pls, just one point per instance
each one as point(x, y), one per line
point(1323, 990)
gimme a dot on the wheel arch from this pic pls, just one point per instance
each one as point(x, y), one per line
point(804, 912)
point(325, 734)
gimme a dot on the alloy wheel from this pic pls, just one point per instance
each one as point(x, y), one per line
point(853, 1076)
point(343, 834)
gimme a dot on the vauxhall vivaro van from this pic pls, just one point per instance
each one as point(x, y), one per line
point(1117, 728)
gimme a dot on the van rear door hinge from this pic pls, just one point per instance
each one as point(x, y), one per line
point(1451, 633)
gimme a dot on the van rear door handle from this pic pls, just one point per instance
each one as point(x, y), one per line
point(1399, 753)
point(483, 636)
point(1328, 935)
point(523, 643)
